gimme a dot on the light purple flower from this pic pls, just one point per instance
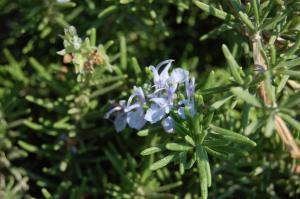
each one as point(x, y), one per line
point(179, 75)
point(160, 106)
point(135, 116)
point(131, 113)
point(190, 101)
point(120, 116)
point(160, 79)
point(168, 124)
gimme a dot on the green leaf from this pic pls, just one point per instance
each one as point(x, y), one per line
point(189, 140)
point(107, 11)
point(191, 162)
point(291, 101)
point(256, 12)
point(136, 66)
point(28, 147)
point(269, 87)
point(233, 65)
point(107, 89)
point(46, 194)
point(178, 147)
point(219, 103)
point(196, 124)
point(282, 83)
point(202, 170)
point(216, 153)
point(294, 48)
point(65, 5)
point(123, 49)
point(152, 150)
point(244, 18)
point(291, 121)
point(93, 37)
point(169, 186)
point(214, 11)
point(270, 126)
point(292, 73)
point(246, 96)
point(39, 68)
point(232, 136)
point(289, 64)
point(163, 162)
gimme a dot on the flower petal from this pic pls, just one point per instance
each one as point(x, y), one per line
point(135, 119)
point(120, 122)
point(160, 101)
point(115, 109)
point(154, 114)
point(179, 75)
point(168, 124)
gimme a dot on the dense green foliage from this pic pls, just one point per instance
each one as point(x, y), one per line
point(55, 142)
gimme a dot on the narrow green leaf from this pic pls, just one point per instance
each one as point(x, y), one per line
point(93, 37)
point(244, 18)
point(169, 186)
point(136, 66)
point(246, 96)
point(46, 194)
point(216, 153)
point(39, 68)
point(182, 162)
point(191, 162)
point(294, 48)
point(292, 73)
point(196, 124)
point(282, 83)
point(214, 11)
point(28, 147)
point(106, 89)
point(152, 150)
point(178, 147)
point(207, 169)
point(107, 11)
point(163, 162)
point(201, 165)
point(65, 5)
point(291, 121)
point(270, 126)
point(189, 140)
point(273, 54)
point(269, 87)
point(123, 50)
point(245, 115)
point(33, 125)
point(230, 135)
point(291, 101)
point(233, 65)
point(256, 13)
point(219, 103)
point(289, 64)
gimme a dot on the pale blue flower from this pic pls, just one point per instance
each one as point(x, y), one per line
point(190, 101)
point(135, 116)
point(168, 124)
point(131, 113)
point(161, 106)
point(160, 79)
point(178, 75)
point(120, 116)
